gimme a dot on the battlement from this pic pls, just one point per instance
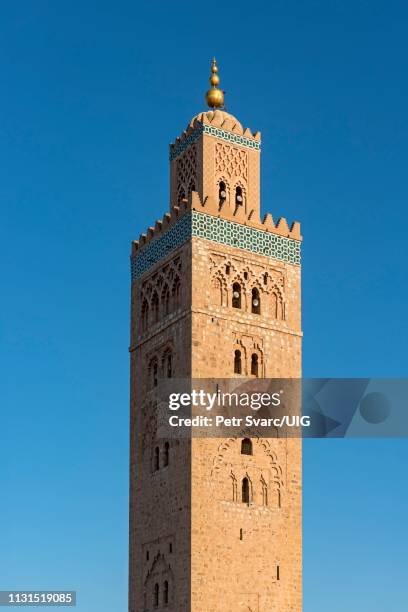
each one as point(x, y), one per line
point(210, 207)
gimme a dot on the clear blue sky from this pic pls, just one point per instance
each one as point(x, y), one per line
point(92, 93)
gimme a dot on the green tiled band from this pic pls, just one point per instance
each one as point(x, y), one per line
point(247, 238)
point(242, 141)
point(219, 231)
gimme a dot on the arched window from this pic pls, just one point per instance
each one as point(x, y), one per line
point(176, 293)
point(155, 308)
point(222, 193)
point(254, 364)
point(145, 315)
point(236, 295)
point(169, 365)
point(156, 596)
point(238, 196)
point(246, 446)
point(156, 458)
point(166, 592)
point(166, 454)
point(237, 362)
point(245, 490)
point(166, 300)
point(153, 372)
point(256, 301)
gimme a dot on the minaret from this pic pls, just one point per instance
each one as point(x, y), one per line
point(215, 524)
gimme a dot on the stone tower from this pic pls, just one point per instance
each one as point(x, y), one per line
point(215, 524)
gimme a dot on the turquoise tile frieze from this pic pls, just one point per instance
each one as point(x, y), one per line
point(159, 247)
point(247, 238)
point(182, 146)
point(217, 230)
point(242, 141)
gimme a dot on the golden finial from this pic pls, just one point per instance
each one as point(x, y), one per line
point(214, 96)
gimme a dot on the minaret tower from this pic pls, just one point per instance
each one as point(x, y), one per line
point(215, 524)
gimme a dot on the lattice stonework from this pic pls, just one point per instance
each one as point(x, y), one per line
point(187, 170)
point(219, 231)
point(231, 161)
point(242, 141)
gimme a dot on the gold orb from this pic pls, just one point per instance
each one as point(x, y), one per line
point(214, 80)
point(215, 98)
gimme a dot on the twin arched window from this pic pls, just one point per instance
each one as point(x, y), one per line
point(238, 363)
point(246, 492)
point(237, 298)
point(166, 370)
point(169, 299)
point(156, 594)
point(222, 194)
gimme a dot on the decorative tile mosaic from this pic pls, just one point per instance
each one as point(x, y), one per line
point(218, 133)
point(247, 238)
point(216, 230)
point(159, 247)
point(186, 142)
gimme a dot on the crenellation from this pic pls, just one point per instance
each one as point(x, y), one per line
point(210, 207)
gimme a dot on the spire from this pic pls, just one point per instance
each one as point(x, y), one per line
point(214, 96)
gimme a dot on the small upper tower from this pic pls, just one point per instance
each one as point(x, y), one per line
point(219, 159)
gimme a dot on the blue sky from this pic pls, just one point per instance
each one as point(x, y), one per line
point(92, 94)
